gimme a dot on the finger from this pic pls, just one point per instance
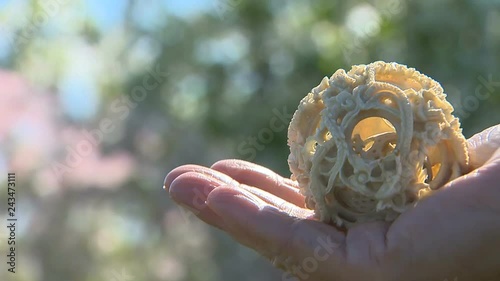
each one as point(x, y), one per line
point(483, 145)
point(283, 205)
point(190, 190)
point(289, 242)
point(263, 178)
point(221, 178)
point(199, 169)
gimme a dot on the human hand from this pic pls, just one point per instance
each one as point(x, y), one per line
point(452, 235)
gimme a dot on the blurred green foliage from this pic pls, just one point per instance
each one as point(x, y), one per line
point(232, 65)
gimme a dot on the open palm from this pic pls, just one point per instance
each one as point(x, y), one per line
point(452, 235)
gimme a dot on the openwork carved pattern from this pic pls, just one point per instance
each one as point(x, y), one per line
point(367, 144)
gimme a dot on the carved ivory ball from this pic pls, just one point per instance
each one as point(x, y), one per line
point(367, 144)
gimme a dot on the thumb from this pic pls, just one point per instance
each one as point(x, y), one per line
point(483, 145)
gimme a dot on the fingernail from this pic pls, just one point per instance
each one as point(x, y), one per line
point(191, 190)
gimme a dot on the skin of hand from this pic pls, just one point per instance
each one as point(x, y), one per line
point(453, 235)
